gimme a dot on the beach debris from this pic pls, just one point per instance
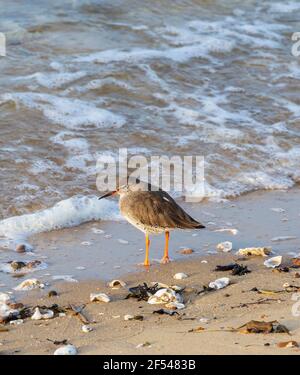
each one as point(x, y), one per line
point(40, 314)
point(117, 284)
point(66, 350)
point(186, 251)
point(266, 291)
point(144, 344)
point(204, 261)
point(281, 269)
point(296, 262)
point(197, 329)
point(99, 297)
point(236, 269)
point(142, 292)
point(86, 329)
point(124, 242)
point(277, 209)
point(257, 251)
point(29, 284)
point(52, 293)
point(255, 326)
point(165, 295)
point(133, 317)
point(180, 276)
point(77, 311)
point(67, 278)
point(273, 262)
point(283, 238)
point(291, 288)
point(59, 342)
point(288, 344)
point(21, 248)
point(16, 322)
point(22, 267)
point(175, 306)
point(219, 283)
point(166, 312)
point(224, 246)
point(233, 231)
point(259, 302)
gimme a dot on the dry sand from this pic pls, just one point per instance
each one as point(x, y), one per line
point(166, 334)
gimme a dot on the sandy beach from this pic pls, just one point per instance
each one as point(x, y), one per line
point(216, 312)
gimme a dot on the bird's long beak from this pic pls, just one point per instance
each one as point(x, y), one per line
point(110, 193)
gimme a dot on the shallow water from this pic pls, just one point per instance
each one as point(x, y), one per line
point(84, 78)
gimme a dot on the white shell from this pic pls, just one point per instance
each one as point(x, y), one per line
point(99, 297)
point(225, 246)
point(258, 251)
point(66, 350)
point(116, 284)
point(219, 283)
point(86, 329)
point(29, 284)
point(180, 276)
point(4, 297)
point(273, 262)
point(16, 322)
point(128, 317)
point(48, 314)
point(163, 296)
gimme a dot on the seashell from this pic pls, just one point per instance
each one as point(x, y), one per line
point(4, 297)
point(116, 284)
point(273, 262)
point(224, 246)
point(258, 251)
point(163, 296)
point(38, 315)
point(29, 284)
point(175, 305)
point(233, 231)
point(99, 297)
point(66, 350)
point(16, 322)
point(86, 329)
point(219, 283)
point(180, 276)
point(204, 261)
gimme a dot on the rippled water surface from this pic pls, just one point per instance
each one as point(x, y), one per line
point(83, 78)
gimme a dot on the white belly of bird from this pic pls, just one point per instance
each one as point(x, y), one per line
point(144, 228)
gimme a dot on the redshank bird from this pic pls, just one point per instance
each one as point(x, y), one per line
point(153, 211)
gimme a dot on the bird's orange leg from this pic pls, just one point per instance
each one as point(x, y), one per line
point(166, 258)
point(146, 261)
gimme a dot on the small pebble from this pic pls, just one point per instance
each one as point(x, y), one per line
point(21, 248)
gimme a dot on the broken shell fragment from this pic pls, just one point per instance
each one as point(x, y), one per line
point(116, 284)
point(99, 297)
point(133, 317)
point(180, 276)
point(86, 329)
point(42, 315)
point(175, 306)
point(29, 284)
point(288, 344)
point(163, 296)
point(224, 246)
point(273, 262)
point(66, 350)
point(257, 251)
point(219, 283)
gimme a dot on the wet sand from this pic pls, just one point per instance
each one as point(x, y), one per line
point(257, 225)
